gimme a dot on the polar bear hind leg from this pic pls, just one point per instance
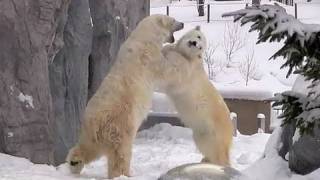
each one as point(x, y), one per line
point(214, 147)
point(119, 159)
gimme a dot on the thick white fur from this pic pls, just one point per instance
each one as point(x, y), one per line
point(114, 114)
point(199, 104)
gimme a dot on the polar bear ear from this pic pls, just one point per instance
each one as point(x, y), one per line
point(161, 21)
point(197, 28)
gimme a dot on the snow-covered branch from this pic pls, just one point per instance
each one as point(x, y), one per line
point(301, 51)
point(273, 20)
point(302, 41)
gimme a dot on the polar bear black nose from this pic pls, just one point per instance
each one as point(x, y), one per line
point(74, 163)
point(192, 43)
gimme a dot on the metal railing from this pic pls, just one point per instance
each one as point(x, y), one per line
point(208, 6)
point(286, 2)
point(169, 8)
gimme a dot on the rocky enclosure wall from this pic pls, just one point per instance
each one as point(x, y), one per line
point(52, 59)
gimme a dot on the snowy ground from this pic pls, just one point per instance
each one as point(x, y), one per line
point(155, 151)
point(161, 148)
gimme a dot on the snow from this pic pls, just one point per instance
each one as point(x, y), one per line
point(26, 99)
point(11, 89)
point(10, 134)
point(272, 166)
point(155, 151)
point(296, 136)
point(261, 116)
point(233, 115)
point(163, 147)
point(281, 22)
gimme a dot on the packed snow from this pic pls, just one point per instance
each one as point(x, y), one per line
point(26, 99)
point(155, 151)
point(272, 166)
point(163, 147)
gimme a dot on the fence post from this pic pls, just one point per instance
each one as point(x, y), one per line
point(208, 14)
point(261, 123)
point(167, 10)
point(234, 119)
point(296, 10)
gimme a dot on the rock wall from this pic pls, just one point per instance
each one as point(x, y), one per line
point(29, 39)
point(46, 70)
point(69, 78)
point(113, 20)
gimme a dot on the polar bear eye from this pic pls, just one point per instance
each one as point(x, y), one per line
point(198, 37)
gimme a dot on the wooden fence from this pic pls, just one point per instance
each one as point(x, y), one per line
point(210, 5)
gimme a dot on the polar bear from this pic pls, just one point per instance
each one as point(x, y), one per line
point(199, 104)
point(115, 112)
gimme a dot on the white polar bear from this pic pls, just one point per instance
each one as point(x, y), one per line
point(115, 112)
point(199, 104)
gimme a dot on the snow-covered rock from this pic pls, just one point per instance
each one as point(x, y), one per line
point(200, 171)
point(273, 166)
point(303, 150)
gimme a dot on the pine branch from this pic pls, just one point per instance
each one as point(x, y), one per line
point(301, 50)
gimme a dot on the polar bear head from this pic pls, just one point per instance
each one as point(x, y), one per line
point(192, 44)
point(76, 160)
point(158, 27)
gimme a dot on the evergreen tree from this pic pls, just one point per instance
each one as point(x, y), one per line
point(301, 51)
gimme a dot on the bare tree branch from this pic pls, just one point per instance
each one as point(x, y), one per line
point(233, 41)
point(248, 68)
point(213, 66)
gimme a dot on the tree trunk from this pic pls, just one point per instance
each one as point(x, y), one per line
point(200, 5)
point(30, 36)
point(113, 20)
point(69, 78)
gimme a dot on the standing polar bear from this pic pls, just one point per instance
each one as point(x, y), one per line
point(199, 104)
point(114, 114)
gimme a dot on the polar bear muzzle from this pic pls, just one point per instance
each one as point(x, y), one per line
point(74, 163)
point(192, 43)
point(176, 27)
